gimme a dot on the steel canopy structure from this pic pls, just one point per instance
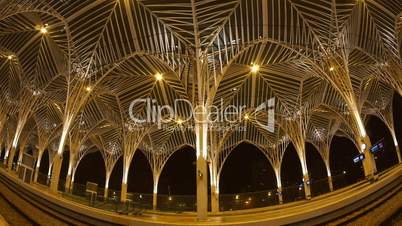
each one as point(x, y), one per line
point(71, 69)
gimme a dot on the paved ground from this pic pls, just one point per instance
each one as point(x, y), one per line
point(12, 215)
point(395, 220)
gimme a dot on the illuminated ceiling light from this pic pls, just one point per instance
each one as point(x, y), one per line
point(237, 197)
point(158, 76)
point(331, 69)
point(234, 89)
point(179, 121)
point(88, 89)
point(43, 29)
point(246, 117)
point(10, 57)
point(254, 68)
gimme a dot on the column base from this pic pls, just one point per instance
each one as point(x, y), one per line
point(55, 177)
point(307, 187)
point(123, 194)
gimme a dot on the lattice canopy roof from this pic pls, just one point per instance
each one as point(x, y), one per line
point(86, 61)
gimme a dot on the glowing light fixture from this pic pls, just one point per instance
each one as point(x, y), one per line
point(179, 121)
point(254, 68)
point(43, 29)
point(331, 69)
point(88, 89)
point(158, 76)
point(10, 57)
point(246, 117)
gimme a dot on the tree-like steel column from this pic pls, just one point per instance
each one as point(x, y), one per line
point(201, 121)
point(27, 105)
point(79, 94)
point(37, 166)
point(111, 152)
point(131, 140)
point(201, 132)
point(213, 169)
point(296, 128)
point(279, 184)
point(155, 191)
point(58, 158)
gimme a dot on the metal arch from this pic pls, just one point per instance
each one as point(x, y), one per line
point(157, 165)
point(106, 55)
point(259, 147)
point(215, 88)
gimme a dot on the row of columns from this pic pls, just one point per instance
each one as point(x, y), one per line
point(368, 164)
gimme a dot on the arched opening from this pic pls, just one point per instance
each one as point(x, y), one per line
point(177, 182)
point(90, 169)
point(344, 171)
point(292, 175)
point(377, 131)
point(317, 171)
point(397, 113)
point(247, 179)
point(140, 180)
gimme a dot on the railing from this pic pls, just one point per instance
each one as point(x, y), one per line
point(180, 203)
point(229, 202)
point(177, 203)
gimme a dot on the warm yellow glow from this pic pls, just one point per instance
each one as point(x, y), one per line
point(10, 57)
point(43, 29)
point(363, 146)
point(394, 138)
point(360, 124)
point(179, 121)
point(158, 76)
point(255, 68)
point(331, 69)
point(88, 88)
point(246, 117)
point(237, 197)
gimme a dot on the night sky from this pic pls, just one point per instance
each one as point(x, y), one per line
point(246, 169)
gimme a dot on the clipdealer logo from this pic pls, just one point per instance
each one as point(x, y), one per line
point(263, 114)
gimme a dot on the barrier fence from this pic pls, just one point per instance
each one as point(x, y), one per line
point(136, 202)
